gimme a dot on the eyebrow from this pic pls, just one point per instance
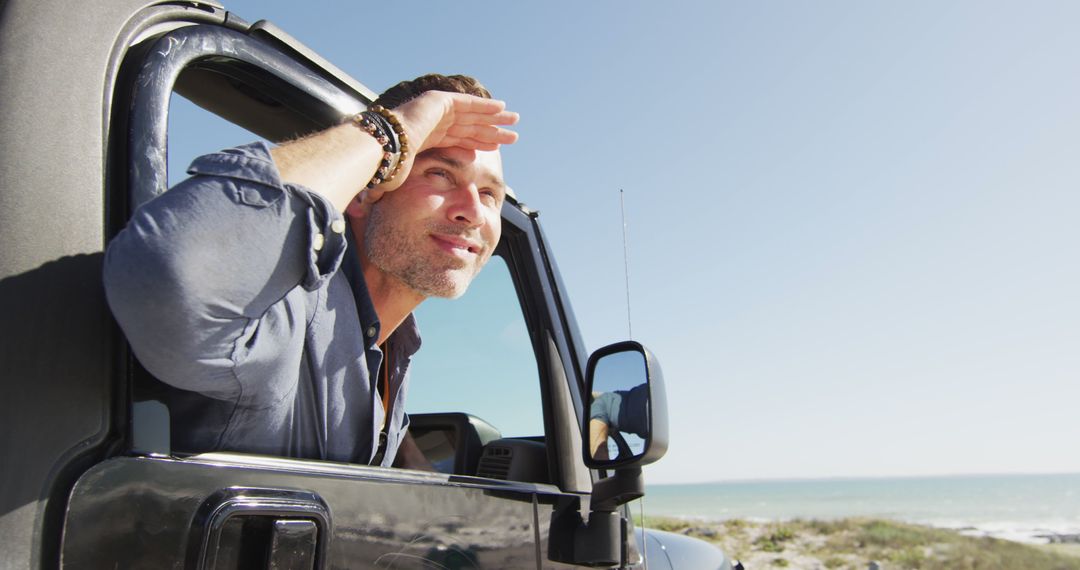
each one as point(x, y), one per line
point(458, 165)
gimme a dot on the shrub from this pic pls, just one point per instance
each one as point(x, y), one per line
point(773, 541)
point(768, 546)
point(665, 523)
point(834, 562)
point(782, 534)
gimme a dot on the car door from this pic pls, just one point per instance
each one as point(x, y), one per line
point(148, 507)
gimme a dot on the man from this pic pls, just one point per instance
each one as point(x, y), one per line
point(273, 295)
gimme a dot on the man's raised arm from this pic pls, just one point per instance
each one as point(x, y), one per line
point(207, 273)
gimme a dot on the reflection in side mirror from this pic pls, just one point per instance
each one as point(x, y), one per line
point(618, 414)
point(626, 409)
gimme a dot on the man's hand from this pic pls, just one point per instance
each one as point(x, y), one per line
point(437, 119)
point(340, 161)
point(409, 456)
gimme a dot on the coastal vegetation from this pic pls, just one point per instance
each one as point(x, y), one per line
point(855, 543)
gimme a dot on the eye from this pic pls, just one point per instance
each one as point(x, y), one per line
point(489, 196)
point(441, 178)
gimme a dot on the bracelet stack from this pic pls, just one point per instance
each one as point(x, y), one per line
point(382, 124)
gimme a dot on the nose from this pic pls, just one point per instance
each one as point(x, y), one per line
point(466, 207)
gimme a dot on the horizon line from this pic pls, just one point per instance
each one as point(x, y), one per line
point(864, 477)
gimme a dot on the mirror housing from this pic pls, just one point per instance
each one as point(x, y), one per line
point(625, 397)
point(626, 400)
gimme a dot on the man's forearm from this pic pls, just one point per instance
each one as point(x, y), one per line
point(598, 434)
point(337, 163)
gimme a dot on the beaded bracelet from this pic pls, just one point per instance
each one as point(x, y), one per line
point(398, 132)
point(372, 125)
point(380, 123)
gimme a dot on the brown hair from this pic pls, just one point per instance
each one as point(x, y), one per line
point(408, 90)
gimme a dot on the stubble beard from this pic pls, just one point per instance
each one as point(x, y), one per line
point(394, 250)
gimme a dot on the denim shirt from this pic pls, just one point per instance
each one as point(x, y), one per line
point(241, 293)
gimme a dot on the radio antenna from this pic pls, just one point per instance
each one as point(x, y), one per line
point(630, 334)
point(626, 264)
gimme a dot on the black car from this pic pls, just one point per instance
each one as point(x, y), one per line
point(90, 477)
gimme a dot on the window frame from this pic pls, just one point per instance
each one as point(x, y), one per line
point(273, 66)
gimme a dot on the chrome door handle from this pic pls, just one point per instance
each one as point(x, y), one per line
point(256, 527)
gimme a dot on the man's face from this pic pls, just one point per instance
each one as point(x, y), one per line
point(438, 229)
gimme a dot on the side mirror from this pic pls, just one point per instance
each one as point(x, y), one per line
point(625, 427)
point(625, 423)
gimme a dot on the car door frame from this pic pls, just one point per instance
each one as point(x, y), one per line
point(160, 59)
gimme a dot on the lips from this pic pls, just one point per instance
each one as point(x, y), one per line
point(457, 245)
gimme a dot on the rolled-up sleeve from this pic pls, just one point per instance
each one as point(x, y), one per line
point(208, 280)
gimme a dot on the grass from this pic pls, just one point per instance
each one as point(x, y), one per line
point(853, 543)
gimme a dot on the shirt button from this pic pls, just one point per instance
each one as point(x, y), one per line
point(338, 226)
point(371, 331)
point(317, 242)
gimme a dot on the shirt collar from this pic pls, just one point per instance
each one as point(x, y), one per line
point(365, 309)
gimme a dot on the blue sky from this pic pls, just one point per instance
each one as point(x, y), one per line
point(853, 226)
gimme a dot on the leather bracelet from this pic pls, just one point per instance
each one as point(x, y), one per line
point(382, 130)
point(385, 128)
point(401, 139)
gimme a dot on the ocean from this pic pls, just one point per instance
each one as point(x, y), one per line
point(1028, 508)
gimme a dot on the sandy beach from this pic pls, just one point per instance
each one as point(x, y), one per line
point(855, 543)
